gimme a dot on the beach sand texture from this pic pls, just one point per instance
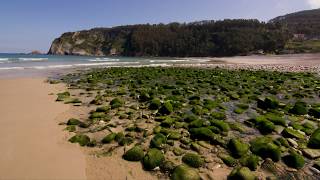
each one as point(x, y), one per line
point(33, 146)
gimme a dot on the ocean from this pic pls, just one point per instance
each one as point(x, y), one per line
point(25, 64)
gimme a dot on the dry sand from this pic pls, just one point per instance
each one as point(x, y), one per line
point(33, 146)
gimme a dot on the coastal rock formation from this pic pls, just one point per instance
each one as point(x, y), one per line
point(197, 39)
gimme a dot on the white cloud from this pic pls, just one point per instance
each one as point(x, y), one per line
point(314, 3)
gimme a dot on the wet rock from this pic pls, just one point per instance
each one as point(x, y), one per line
point(291, 133)
point(294, 160)
point(183, 172)
point(314, 141)
point(300, 108)
point(167, 166)
point(242, 173)
point(153, 159)
point(166, 108)
point(193, 160)
point(158, 141)
point(134, 154)
point(73, 121)
point(228, 160)
point(311, 153)
point(82, 139)
point(265, 148)
point(237, 148)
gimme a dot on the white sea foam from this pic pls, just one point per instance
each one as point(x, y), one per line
point(4, 59)
point(32, 59)
point(168, 61)
point(104, 60)
point(11, 68)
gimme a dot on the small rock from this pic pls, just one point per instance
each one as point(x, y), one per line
point(293, 142)
point(311, 153)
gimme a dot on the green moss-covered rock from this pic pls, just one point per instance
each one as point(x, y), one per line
point(166, 108)
point(315, 112)
point(228, 160)
point(73, 121)
point(265, 127)
point(103, 109)
point(116, 103)
point(265, 148)
point(168, 122)
point(97, 115)
point(291, 133)
point(183, 172)
point(201, 133)
point(237, 148)
point(109, 138)
point(223, 126)
point(294, 160)
point(196, 123)
point(134, 154)
point(155, 104)
point(158, 141)
point(63, 96)
point(268, 103)
point(126, 141)
point(167, 166)
point(218, 115)
point(300, 108)
point(251, 161)
point(153, 159)
point(82, 139)
point(314, 141)
point(119, 136)
point(193, 160)
point(241, 173)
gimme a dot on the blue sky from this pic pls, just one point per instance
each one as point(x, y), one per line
point(32, 24)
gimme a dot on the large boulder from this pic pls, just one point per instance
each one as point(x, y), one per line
point(314, 141)
point(153, 159)
point(158, 141)
point(237, 148)
point(300, 108)
point(183, 172)
point(242, 173)
point(134, 154)
point(294, 160)
point(193, 160)
point(82, 139)
point(265, 148)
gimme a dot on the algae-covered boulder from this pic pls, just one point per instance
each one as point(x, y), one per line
point(183, 172)
point(97, 115)
point(166, 108)
point(265, 148)
point(116, 103)
point(74, 122)
point(63, 96)
point(291, 133)
point(237, 148)
point(241, 173)
point(218, 115)
point(268, 103)
point(134, 154)
point(109, 138)
point(193, 160)
point(314, 141)
point(103, 109)
point(294, 160)
point(201, 133)
point(228, 160)
point(223, 126)
point(265, 127)
point(158, 141)
point(152, 159)
point(251, 161)
point(167, 166)
point(155, 104)
point(126, 141)
point(315, 112)
point(82, 139)
point(300, 108)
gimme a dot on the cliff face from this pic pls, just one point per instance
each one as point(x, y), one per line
point(94, 42)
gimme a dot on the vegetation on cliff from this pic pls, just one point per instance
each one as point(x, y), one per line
point(205, 38)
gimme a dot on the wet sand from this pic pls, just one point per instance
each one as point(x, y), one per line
point(33, 146)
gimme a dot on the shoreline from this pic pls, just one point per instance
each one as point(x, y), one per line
point(33, 145)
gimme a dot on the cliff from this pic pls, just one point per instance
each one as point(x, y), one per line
point(197, 39)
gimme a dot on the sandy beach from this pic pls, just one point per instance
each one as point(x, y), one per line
point(33, 146)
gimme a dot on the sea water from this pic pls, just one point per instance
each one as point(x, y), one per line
point(22, 64)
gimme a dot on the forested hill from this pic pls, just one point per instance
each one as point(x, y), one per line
point(303, 22)
point(205, 38)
